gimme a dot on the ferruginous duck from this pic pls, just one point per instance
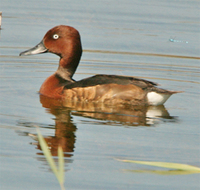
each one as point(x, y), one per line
point(65, 42)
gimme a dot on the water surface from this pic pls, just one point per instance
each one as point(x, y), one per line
point(157, 40)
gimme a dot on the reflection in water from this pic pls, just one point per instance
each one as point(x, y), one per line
point(65, 129)
point(64, 133)
point(106, 114)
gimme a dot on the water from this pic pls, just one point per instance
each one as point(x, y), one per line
point(125, 38)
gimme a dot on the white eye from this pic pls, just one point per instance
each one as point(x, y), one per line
point(55, 36)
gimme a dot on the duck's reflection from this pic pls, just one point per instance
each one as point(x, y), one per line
point(103, 114)
point(64, 133)
point(64, 128)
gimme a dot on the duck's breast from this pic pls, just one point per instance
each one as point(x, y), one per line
point(52, 87)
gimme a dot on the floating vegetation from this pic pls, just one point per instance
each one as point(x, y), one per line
point(178, 169)
point(58, 172)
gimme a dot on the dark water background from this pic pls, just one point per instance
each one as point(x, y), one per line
point(155, 40)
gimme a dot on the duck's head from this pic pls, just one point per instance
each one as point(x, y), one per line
point(61, 40)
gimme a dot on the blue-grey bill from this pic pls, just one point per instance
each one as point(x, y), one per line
point(39, 48)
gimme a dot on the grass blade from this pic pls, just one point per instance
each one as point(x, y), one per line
point(47, 153)
point(163, 172)
point(176, 166)
point(59, 173)
point(60, 165)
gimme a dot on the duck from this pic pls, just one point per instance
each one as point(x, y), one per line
point(65, 41)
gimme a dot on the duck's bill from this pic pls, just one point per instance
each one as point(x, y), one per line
point(39, 48)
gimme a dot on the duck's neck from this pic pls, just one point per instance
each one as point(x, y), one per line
point(69, 62)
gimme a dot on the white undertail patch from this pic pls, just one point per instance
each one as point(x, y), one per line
point(156, 99)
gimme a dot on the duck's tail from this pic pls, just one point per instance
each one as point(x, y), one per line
point(159, 97)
